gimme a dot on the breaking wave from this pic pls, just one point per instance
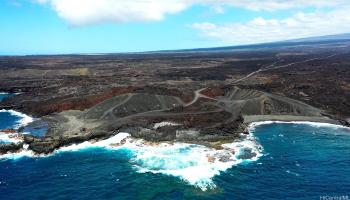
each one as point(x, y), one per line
point(24, 119)
point(313, 124)
point(194, 164)
point(19, 120)
point(19, 155)
point(9, 138)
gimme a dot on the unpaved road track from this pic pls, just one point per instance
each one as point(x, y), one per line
point(272, 67)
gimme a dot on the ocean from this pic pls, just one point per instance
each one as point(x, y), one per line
point(286, 161)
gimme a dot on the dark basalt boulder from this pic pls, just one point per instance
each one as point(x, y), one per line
point(10, 148)
point(49, 144)
point(44, 147)
point(246, 154)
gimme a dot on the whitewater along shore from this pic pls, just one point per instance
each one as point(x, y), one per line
point(157, 116)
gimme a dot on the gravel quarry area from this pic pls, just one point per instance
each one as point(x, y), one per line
point(159, 118)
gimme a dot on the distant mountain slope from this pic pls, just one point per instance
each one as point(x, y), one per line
point(288, 43)
point(345, 36)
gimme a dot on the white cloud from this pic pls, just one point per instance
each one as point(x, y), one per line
point(261, 30)
point(336, 20)
point(271, 5)
point(84, 12)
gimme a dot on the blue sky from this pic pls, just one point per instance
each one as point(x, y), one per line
point(106, 26)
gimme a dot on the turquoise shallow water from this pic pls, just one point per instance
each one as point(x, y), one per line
point(300, 161)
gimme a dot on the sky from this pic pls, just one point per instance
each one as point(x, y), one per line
point(30, 27)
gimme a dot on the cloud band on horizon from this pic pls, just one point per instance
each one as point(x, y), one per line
point(258, 30)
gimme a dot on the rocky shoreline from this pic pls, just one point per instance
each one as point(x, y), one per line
point(208, 119)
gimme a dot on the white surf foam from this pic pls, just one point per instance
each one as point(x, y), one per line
point(190, 163)
point(313, 124)
point(18, 155)
point(88, 144)
point(10, 138)
point(24, 119)
point(75, 147)
point(195, 164)
point(161, 124)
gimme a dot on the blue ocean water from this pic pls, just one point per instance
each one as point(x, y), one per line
point(300, 162)
point(7, 120)
point(10, 119)
point(5, 95)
